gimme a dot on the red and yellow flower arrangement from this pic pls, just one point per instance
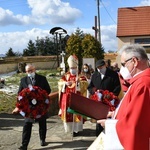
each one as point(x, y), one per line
point(107, 98)
point(33, 102)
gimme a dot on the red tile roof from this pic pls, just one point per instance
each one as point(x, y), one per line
point(133, 21)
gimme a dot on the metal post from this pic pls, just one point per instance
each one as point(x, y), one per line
point(57, 49)
point(99, 30)
point(60, 49)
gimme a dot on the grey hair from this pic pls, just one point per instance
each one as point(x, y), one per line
point(29, 65)
point(134, 50)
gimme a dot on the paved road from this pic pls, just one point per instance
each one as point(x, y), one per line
point(57, 139)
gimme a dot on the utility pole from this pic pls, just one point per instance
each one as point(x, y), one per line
point(99, 29)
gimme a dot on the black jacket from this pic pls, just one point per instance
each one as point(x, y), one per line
point(110, 82)
point(39, 81)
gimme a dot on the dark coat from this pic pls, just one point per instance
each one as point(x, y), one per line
point(110, 82)
point(39, 81)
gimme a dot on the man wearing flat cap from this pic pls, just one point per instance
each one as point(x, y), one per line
point(100, 62)
point(104, 78)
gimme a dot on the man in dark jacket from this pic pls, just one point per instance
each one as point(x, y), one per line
point(34, 79)
point(104, 79)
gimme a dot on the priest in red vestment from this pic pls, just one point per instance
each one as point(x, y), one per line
point(133, 115)
point(71, 82)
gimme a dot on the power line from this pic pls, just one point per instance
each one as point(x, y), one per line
point(108, 12)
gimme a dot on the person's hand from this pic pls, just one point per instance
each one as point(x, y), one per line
point(15, 111)
point(110, 114)
point(68, 83)
point(102, 122)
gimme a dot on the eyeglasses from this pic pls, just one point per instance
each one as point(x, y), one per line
point(123, 64)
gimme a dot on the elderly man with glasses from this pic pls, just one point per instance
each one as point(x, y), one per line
point(131, 122)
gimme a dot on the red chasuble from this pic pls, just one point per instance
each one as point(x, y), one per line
point(64, 98)
point(133, 126)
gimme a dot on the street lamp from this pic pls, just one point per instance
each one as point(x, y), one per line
point(57, 31)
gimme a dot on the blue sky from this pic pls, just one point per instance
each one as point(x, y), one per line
point(22, 20)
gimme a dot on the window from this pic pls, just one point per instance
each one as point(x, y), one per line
point(147, 48)
point(142, 41)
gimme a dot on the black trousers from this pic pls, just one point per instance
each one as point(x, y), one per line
point(99, 129)
point(27, 129)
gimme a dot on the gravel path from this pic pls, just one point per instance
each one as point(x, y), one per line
point(57, 139)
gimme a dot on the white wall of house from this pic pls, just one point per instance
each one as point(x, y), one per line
point(130, 40)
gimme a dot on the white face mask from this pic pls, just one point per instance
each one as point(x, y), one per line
point(73, 71)
point(125, 73)
point(31, 74)
point(85, 70)
point(102, 71)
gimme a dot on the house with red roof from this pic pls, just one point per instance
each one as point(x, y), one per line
point(133, 26)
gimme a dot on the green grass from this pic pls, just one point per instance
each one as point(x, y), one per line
point(7, 101)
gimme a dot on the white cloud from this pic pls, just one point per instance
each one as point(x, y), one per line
point(108, 37)
point(145, 3)
point(53, 11)
point(7, 17)
point(19, 40)
point(49, 12)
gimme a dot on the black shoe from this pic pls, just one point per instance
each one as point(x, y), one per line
point(22, 148)
point(43, 143)
point(75, 134)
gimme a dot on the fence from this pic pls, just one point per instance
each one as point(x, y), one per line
point(41, 62)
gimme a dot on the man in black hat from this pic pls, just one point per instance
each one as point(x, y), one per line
point(104, 78)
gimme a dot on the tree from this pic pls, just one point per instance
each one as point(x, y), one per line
point(79, 32)
point(84, 45)
point(74, 47)
point(10, 53)
point(48, 47)
point(92, 48)
point(18, 53)
point(25, 52)
point(37, 46)
point(30, 50)
point(44, 46)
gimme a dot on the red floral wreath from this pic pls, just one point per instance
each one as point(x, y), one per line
point(33, 102)
point(107, 98)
